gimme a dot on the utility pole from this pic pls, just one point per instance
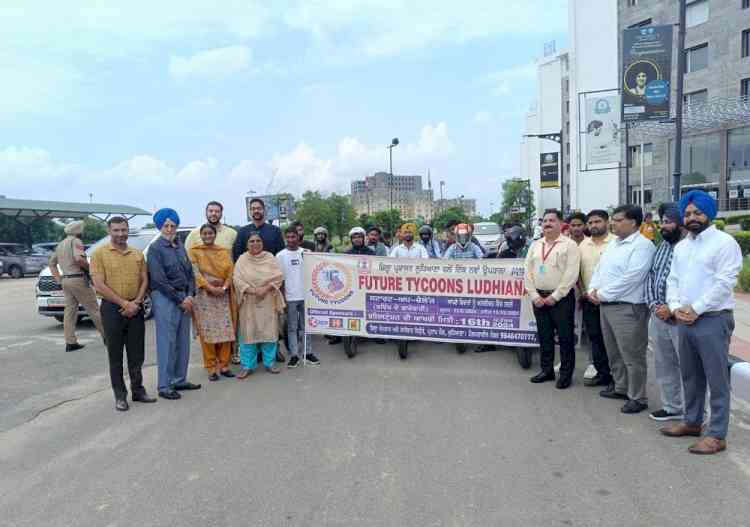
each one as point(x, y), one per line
point(678, 104)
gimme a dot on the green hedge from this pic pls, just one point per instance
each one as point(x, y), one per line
point(735, 220)
point(743, 238)
point(720, 224)
point(744, 277)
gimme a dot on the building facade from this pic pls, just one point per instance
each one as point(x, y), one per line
point(716, 142)
point(469, 206)
point(381, 192)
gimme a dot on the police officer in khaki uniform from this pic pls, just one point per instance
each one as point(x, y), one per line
point(69, 256)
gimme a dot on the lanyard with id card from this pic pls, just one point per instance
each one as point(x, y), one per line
point(545, 255)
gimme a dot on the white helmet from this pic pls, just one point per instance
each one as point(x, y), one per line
point(357, 230)
point(320, 230)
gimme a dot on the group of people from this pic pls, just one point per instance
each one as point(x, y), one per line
point(679, 296)
point(233, 288)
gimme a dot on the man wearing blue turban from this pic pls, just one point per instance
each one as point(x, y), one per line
point(172, 290)
point(700, 296)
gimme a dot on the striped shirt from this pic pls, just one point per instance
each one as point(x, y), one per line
point(656, 281)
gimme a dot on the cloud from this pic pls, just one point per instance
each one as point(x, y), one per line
point(481, 117)
point(502, 82)
point(212, 63)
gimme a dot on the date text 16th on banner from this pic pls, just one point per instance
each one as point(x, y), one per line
point(479, 301)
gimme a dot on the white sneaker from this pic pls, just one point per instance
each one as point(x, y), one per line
point(557, 369)
point(590, 372)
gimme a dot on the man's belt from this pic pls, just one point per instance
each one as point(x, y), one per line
point(544, 293)
point(716, 313)
point(618, 304)
point(76, 275)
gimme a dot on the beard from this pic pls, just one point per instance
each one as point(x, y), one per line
point(597, 232)
point(671, 236)
point(408, 237)
point(697, 227)
point(257, 216)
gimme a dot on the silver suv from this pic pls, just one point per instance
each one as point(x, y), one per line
point(50, 299)
point(17, 260)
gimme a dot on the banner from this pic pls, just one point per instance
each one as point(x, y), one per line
point(603, 130)
point(646, 73)
point(472, 301)
point(548, 170)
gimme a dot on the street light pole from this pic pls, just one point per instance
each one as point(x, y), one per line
point(678, 104)
point(394, 142)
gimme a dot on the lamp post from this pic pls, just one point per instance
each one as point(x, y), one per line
point(676, 176)
point(557, 138)
point(394, 142)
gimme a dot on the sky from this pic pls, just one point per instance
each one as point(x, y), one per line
point(175, 103)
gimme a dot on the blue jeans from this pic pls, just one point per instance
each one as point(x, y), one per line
point(172, 340)
point(295, 324)
point(249, 354)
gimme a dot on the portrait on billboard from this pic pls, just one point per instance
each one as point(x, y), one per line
point(637, 77)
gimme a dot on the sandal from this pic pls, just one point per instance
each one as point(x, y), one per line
point(213, 377)
point(244, 374)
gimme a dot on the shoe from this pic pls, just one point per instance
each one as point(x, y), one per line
point(335, 340)
point(235, 358)
point(543, 376)
point(293, 362)
point(610, 393)
point(187, 386)
point(564, 382)
point(273, 369)
point(663, 415)
point(74, 347)
point(143, 398)
point(227, 373)
point(121, 405)
point(312, 360)
point(597, 380)
point(682, 430)
point(244, 374)
point(708, 445)
point(171, 394)
point(213, 377)
point(633, 407)
point(590, 372)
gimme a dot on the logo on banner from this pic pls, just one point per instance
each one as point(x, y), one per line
point(354, 324)
point(363, 265)
point(315, 322)
point(331, 283)
point(336, 323)
point(602, 106)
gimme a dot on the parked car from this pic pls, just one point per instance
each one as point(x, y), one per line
point(18, 260)
point(50, 299)
point(489, 235)
point(45, 248)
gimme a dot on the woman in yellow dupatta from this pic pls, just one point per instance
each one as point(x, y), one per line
point(214, 303)
point(257, 281)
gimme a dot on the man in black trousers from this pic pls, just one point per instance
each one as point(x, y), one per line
point(121, 278)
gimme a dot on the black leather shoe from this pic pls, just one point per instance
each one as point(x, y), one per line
point(143, 398)
point(121, 405)
point(74, 347)
point(598, 380)
point(335, 340)
point(228, 374)
point(563, 382)
point(610, 393)
point(633, 407)
point(543, 376)
point(187, 386)
point(170, 394)
point(213, 377)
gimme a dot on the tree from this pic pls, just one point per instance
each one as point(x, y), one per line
point(517, 195)
point(93, 230)
point(446, 216)
point(42, 230)
point(476, 219)
point(314, 211)
point(366, 221)
point(497, 218)
point(388, 220)
point(343, 216)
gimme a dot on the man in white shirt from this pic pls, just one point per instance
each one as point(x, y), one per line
point(407, 248)
point(290, 260)
point(700, 295)
point(617, 287)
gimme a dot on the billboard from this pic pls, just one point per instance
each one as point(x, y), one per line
point(602, 127)
point(278, 207)
point(472, 301)
point(646, 73)
point(548, 170)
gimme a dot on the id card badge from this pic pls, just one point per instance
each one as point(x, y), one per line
point(542, 269)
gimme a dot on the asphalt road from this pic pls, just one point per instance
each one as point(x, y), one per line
point(437, 440)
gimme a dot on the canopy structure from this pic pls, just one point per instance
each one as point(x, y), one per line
point(25, 211)
point(716, 113)
point(33, 209)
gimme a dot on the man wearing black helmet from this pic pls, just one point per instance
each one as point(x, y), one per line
point(429, 242)
point(515, 243)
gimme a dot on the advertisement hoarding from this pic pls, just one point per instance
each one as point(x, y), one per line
point(646, 73)
point(548, 170)
point(602, 143)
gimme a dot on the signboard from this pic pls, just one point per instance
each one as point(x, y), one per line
point(472, 301)
point(646, 73)
point(603, 130)
point(734, 193)
point(278, 207)
point(548, 170)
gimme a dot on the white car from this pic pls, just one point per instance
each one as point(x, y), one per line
point(50, 299)
point(489, 235)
